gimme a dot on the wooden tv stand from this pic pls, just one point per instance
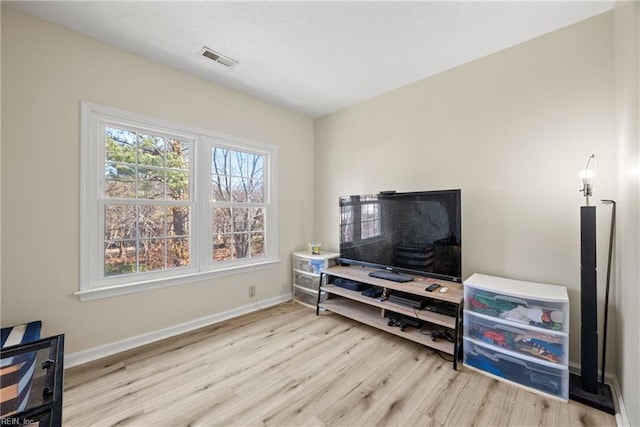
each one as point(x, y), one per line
point(373, 311)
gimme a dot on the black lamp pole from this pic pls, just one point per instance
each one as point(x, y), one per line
point(606, 295)
point(589, 299)
point(585, 388)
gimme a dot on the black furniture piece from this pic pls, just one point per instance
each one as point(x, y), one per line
point(585, 388)
point(44, 405)
point(589, 300)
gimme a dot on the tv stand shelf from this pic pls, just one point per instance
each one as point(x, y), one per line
point(372, 311)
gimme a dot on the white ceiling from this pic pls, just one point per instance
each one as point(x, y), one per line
point(314, 57)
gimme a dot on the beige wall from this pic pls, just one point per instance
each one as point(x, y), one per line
point(627, 267)
point(512, 130)
point(46, 72)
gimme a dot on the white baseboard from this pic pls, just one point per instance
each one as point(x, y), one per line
point(95, 353)
point(622, 419)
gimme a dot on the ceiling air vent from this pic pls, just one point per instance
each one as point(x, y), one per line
point(219, 58)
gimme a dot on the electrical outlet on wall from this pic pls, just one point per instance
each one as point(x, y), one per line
point(252, 291)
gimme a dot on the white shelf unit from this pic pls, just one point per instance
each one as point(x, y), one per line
point(306, 274)
point(518, 332)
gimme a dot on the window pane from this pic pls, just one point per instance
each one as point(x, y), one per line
point(151, 150)
point(238, 164)
point(221, 188)
point(256, 191)
point(177, 154)
point(152, 256)
point(125, 178)
point(222, 247)
point(256, 167)
point(177, 185)
point(120, 180)
point(220, 161)
point(257, 244)
point(150, 183)
point(153, 224)
point(119, 222)
point(120, 146)
point(240, 219)
point(257, 219)
point(119, 257)
point(242, 245)
point(177, 252)
point(239, 189)
point(222, 220)
point(152, 221)
point(256, 178)
point(238, 178)
point(178, 220)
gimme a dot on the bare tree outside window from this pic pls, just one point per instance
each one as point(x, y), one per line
point(238, 204)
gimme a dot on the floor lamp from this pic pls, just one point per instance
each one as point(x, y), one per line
point(585, 388)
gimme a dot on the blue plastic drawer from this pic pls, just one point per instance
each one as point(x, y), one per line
point(539, 377)
point(538, 343)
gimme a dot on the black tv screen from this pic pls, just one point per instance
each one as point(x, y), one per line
point(416, 233)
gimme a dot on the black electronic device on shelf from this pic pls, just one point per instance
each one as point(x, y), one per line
point(407, 300)
point(442, 334)
point(350, 284)
point(391, 275)
point(402, 321)
point(415, 233)
point(441, 307)
point(373, 293)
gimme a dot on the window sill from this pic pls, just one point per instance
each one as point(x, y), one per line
point(130, 288)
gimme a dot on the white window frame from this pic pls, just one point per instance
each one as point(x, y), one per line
point(93, 284)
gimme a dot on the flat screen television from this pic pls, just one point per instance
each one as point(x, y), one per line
point(417, 233)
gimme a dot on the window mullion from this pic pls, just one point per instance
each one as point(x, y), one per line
point(137, 238)
point(204, 210)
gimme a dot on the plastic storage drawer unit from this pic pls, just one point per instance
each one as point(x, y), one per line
point(306, 274)
point(519, 332)
point(536, 342)
point(537, 376)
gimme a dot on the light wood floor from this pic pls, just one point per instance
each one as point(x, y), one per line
point(286, 367)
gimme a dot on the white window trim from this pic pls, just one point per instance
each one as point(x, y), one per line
point(203, 268)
